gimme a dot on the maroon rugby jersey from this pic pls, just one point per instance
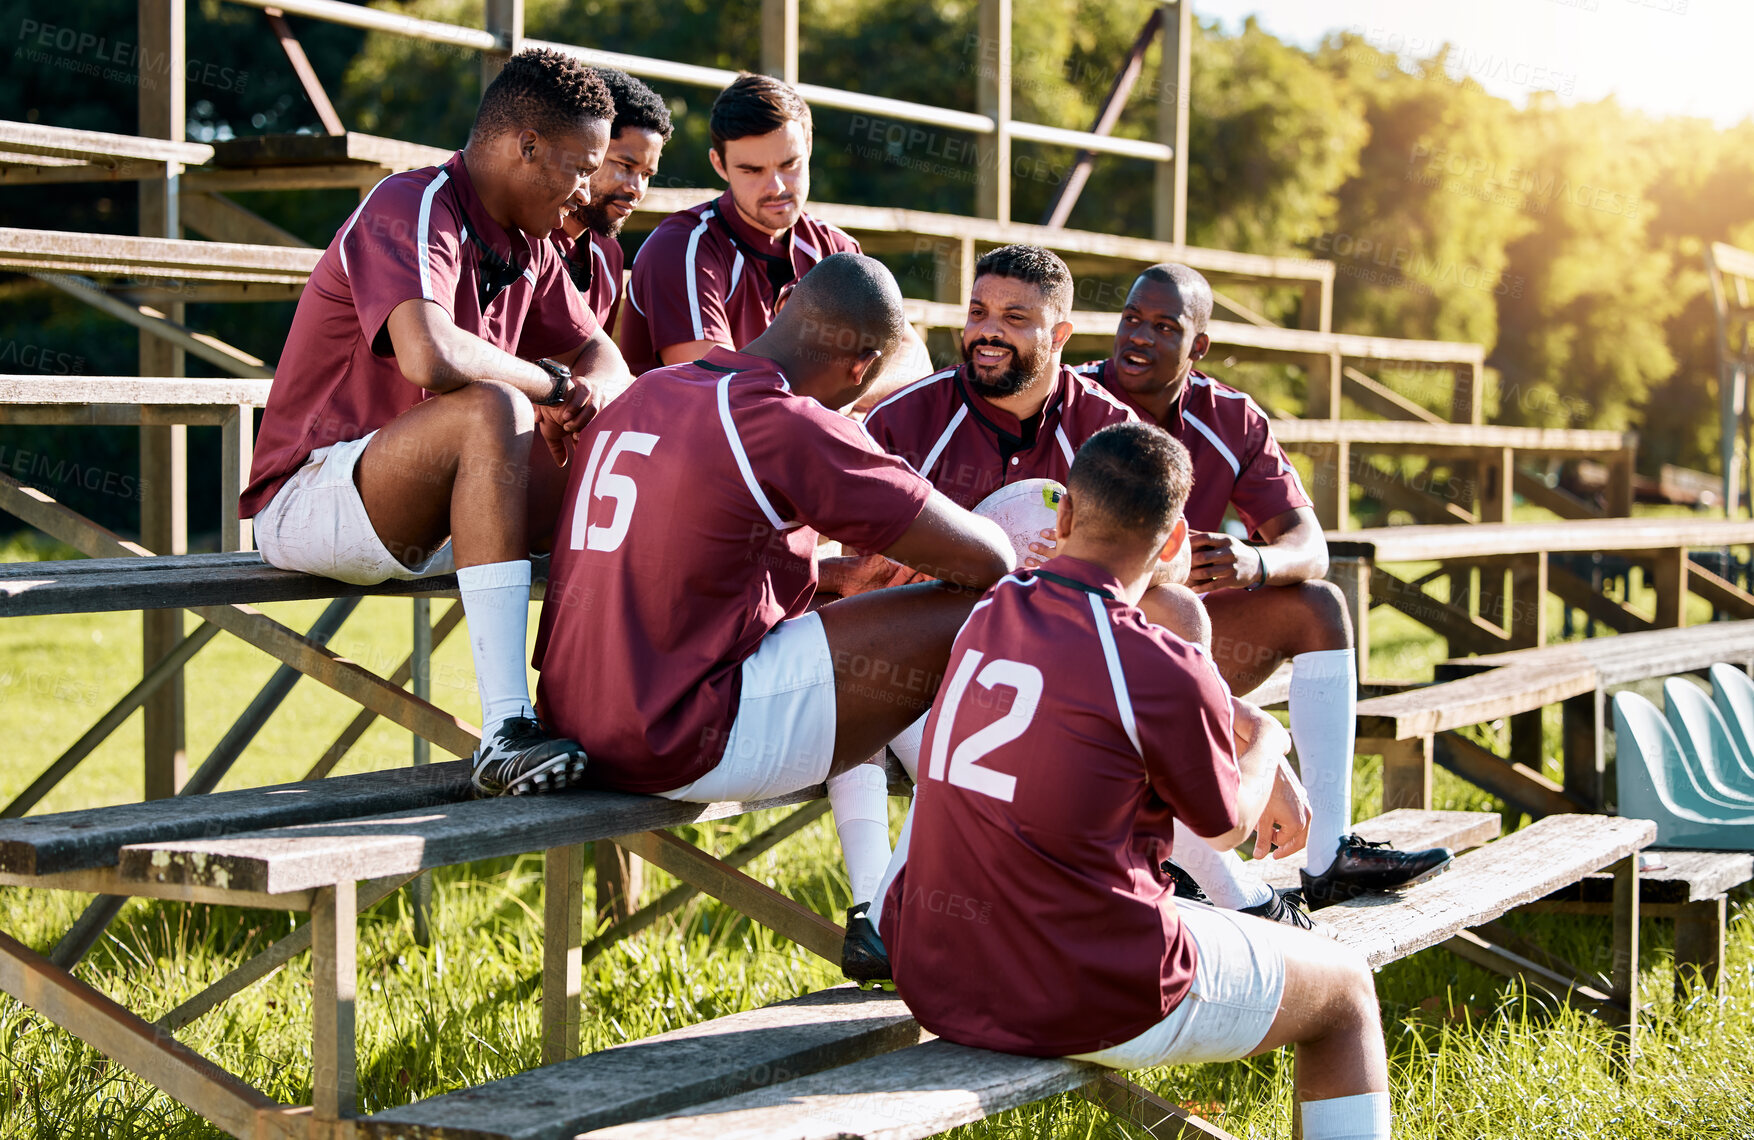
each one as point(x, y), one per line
point(706, 274)
point(1068, 736)
point(708, 483)
point(595, 268)
point(1236, 459)
point(417, 234)
point(969, 448)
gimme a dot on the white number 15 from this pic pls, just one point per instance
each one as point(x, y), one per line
point(606, 484)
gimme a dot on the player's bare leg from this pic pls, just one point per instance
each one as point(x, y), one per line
point(1329, 1013)
point(458, 465)
point(1255, 632)
point(890, 648)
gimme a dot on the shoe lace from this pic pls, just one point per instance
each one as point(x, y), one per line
point(1358, 841)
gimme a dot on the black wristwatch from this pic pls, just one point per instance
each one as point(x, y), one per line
point(562, 383)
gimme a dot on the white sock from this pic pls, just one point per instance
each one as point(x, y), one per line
point(1361, 1117)
point(496, 604)
point(907, 747)
point(1227, 880)
point(896, 862)
point(860, 799)
point(1324, 719)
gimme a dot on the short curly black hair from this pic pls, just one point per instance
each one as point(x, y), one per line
point(636, 105)
point(542, 90)
point(1040, 267)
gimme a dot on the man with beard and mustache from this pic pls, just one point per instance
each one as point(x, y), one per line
point(713, 274)
point(1266, 596)
point(587, 239)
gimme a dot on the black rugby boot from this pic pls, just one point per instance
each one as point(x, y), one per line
point(1361, 866)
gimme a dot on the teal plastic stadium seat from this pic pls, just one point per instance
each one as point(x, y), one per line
point(1647, 761)
point(1714, 764)
point(1733, 692)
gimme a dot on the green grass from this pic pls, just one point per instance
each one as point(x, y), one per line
point(1471, 1055)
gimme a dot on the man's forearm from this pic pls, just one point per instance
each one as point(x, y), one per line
point(463, 358)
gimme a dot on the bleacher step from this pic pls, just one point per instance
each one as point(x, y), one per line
point(81, 840)
point(714, 1059)
point(915, 1092)
point(1483, 884)
point(1684, 877)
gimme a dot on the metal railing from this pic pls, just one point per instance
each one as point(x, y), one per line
point(987, 126)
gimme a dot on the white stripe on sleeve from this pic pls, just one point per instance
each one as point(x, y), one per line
point(424, 229)
point(688, 275)
point(742, 457)
point(1123, 699)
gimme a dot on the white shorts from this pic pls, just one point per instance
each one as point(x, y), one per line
point(316, 524)
point(783, 736)
point(1238, 983)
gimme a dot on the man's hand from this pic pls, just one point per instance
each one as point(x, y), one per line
point(561, 423)
point(1284, 826)
point(1222, 562)
point(1040, 552)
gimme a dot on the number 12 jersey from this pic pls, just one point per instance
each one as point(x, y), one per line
point(1069, 734)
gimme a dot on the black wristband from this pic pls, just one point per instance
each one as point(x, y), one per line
point(562, 383)
point(1262, 580)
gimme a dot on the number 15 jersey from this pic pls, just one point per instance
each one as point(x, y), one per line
point(1067, 737)
point(687, 533)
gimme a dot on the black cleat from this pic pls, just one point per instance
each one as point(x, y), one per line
point(863, 958)
point(1285, 906)
point(521, 758)
point(1185, 887)
point(1361, 866)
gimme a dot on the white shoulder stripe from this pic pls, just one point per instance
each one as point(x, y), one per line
point(914, 387)
point(341, 248)
point(424, 228)
point(688, 276)
point(1229, 456)
point(742, 457)
point(943, 440)
point(736, 276)
point(602, 259)
point(1065, 444)
point(815, 254)
point(1118, 679)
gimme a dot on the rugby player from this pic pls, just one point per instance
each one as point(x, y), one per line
point(676, 642)
point(588, 237)
point(1029, 915)
point(713, 274)
point(438, 338)
point(1266, 595)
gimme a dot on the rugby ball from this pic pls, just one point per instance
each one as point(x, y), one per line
point(1023, 510)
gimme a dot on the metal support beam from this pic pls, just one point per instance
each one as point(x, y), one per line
point(307, 75)
point(1170, 215)
point(779, 39)
point(993, 67)
point(505, 22)
point(1066, 197)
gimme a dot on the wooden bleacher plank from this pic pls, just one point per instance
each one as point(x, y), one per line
point(80, 840)
point(1405, 829)
point(296, 857)
point(670, 1071)
point(1511, 689)
point(119, 255)
point(306, 150)
point(1488, 540)
point(97, 146)
point(914, 1092)
point(137, 390)
point(881, 220)
point(212, 580)
point(1259, 343)
point(1446, 438)
point(1684, 877)
point(1628, 657)
point(1485, 883)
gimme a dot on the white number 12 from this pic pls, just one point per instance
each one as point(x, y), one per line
point(965, 762)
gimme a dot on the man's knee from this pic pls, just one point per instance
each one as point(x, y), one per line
point(1329, 626)
point(496, 410)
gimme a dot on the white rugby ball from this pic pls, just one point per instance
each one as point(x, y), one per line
point(1023, 510)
